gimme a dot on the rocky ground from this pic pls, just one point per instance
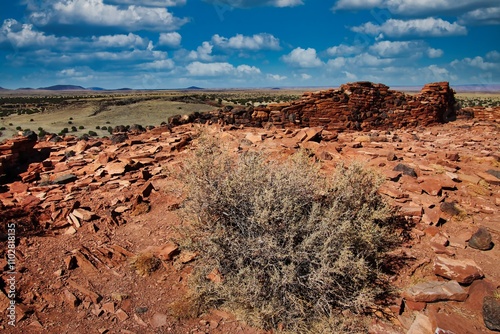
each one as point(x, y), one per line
point(88, 216)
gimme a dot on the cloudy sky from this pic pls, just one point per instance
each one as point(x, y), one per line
point(247, 43)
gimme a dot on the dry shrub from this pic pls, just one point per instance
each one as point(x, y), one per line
point(293, 246)
point(145, 263)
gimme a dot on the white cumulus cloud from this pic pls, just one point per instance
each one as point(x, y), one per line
point(404, 49)
point(361, 60)
point(304, 58)
point(276, 77)
point(220, 69)
point(150, 3)
point(253, 43)
point(476, 62)
point(416, 8)
point(23, 36)
point(493, 55)
point(119, 41)
point(203, 52)
point(97, 13)
point(486, 16)
point(256, 3)
point(163, 64)
point(344, 50)
point(170, 39)
point(428, 27)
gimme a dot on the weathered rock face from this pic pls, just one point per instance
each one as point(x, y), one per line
point(354, 106)
point(15, 151)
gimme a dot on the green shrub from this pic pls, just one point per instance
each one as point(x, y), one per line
point(81, 127)
point(73, 128)
point(19, 128)
point(65, 130)
point(92, 133)
point(97, 127)
point(293, 246)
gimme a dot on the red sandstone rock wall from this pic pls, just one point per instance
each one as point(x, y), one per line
point(354, 106)
point(14, 151)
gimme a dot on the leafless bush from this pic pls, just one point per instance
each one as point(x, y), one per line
point(293, 246)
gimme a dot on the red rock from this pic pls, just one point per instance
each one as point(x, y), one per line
point(121, 315)
point(108, 307)
point(70, 299)
point(159, 320)
point(186, 257)
point(432, 187)
point(463, 271)
point(18, 187)
point(489, 178)
point(431, 216)
point(83, 214)
point(477, 291)
point(4, 301)
point(70, 262)
point(433, 291)
point(440, 239)
point(254, 138)
point(415, 306)
point(84, 263)
point(167, 251)
point(116, 168)
point(215, 276)
point(410, 210)
point(147, 189)
point(421, 325)
point(91, 294)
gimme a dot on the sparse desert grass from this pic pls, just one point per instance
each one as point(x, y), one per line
point(143, 113)
point(294, 247)
point(145, 263)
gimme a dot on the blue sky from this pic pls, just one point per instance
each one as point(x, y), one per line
point(149, 44)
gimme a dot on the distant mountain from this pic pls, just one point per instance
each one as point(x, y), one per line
point(194, 88)
point(63, 87)
point(483, 88)
point(25, 88)
point(95, 88)
point(124, 89)
point(1, 88)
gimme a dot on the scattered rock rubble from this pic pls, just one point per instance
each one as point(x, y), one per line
point(90, 207)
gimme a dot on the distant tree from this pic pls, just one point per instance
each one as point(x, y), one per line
point(69, 122)
point(97, 127)
point(19, 128)
point(71, 118)
point(64, 131)
point(2, 128)
point(81, 127)
point(42, 133)
point(73, 128)
point(32, 120)
point(92, 133)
